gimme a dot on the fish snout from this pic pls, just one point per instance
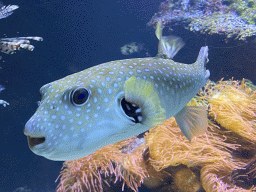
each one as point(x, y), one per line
point(34, 135)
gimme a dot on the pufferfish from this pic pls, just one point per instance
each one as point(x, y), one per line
point(113, 101)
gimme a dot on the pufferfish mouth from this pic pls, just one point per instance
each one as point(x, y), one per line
point(34, 141)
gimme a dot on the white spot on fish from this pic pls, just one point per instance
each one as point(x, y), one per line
point(99, 91)
point(110, 91)
point(82, 130)
point(71, 120)
point(70, 112)
point(106, 99)
point(107, 78)
point(115, 84)
point(107, 110)
point(78, 109)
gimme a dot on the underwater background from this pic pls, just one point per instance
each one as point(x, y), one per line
point(79, 34)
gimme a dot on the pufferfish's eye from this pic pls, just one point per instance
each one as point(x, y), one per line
point(79, 96)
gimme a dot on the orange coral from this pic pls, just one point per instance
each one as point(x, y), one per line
point(221, 158)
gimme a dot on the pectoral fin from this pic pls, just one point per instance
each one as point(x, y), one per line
point(192, 120)
point(143, 94)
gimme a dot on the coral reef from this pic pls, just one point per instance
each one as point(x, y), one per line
point(234, 18)
point(222, 159)
point(245, 9)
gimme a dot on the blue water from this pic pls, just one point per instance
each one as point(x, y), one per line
point(79, 34)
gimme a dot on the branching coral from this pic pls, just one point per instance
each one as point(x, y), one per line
point(222, 159)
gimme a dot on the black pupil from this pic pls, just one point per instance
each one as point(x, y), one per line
point(80, 96)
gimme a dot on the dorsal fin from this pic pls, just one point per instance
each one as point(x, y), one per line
point(168, 46)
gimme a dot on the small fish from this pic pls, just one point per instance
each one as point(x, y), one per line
point(6, 11)
point(116, 100)
point(10, 45)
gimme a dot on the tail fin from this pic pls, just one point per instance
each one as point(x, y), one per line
point(202, 60)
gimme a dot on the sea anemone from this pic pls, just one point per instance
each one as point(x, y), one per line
point(105, 167)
